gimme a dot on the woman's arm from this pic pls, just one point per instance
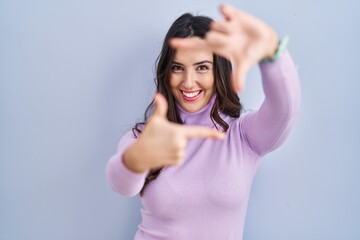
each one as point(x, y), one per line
point(266, 129)
point(122, 179)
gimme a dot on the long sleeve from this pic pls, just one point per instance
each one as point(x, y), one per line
point(122, 179)
point(266, 129)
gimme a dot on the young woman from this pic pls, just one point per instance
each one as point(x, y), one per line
point(194, 158)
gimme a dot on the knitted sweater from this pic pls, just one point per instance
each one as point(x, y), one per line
point(206, 197)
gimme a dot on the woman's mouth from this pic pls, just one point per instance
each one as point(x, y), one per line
point(190, 96)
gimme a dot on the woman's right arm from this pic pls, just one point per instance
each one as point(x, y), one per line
point(122, 171)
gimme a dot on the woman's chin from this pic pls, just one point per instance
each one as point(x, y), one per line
point(192, 107)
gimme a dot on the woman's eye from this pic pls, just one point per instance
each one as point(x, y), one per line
point(202, 68)
point(176, 68)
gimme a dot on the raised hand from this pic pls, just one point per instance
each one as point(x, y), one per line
point(240, 37)
point(163, 142)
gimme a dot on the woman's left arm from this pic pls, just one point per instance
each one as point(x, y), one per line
point(267, 128)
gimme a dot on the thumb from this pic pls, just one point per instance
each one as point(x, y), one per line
point(238, 76)
point(161, 105)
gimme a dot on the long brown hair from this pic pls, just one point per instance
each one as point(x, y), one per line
point(227, 101)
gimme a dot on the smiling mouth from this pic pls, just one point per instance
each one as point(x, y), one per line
point(191, 96)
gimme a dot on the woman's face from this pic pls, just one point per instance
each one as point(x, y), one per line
point(192, 78)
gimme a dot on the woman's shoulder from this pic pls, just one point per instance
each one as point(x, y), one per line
point(129, 137)
point(236, 122)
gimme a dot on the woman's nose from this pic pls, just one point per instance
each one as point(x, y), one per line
point(189, 81)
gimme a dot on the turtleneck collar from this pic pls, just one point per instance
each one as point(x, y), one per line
point(201, 117)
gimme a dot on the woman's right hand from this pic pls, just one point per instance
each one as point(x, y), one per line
point(163, 142)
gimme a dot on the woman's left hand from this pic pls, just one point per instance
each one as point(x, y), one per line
point(240, 37)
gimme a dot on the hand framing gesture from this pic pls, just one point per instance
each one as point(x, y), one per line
point(240, 37)
point(163, 142)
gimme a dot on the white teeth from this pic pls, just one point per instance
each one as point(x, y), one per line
point(190, 95)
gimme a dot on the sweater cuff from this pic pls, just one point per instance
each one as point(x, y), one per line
point(281, 63)
point(122, 179)
point(279, 51)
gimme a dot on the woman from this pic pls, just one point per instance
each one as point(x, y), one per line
point(194, 158)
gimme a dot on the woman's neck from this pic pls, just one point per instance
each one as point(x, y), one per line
point(201, 117)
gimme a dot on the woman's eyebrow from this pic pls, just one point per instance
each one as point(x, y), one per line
point(177, 63)
point(202, 62)
point(198, 63)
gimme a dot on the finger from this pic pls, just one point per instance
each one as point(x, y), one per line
point(216, 40)
point(161, 105)
point(228, 11)
point(219, 44)
point(202, 132)
point(221, 26)
point(246, 19)
point(189, 43)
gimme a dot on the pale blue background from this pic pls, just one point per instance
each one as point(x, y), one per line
point(75, 75)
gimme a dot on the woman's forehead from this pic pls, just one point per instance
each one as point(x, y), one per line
point(185, 56)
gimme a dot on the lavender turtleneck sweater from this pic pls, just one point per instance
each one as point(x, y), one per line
point(206, 197)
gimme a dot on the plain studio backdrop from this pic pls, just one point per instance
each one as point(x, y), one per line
point(76, 75)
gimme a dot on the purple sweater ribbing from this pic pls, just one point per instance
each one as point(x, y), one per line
point(206, 197)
